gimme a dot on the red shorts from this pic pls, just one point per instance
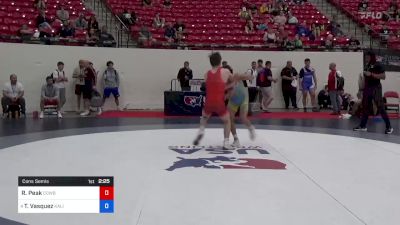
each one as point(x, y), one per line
point(219, 109)
point(51, 102)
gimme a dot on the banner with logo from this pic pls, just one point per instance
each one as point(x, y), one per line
point(371, 15)
point(389, 59)
point(182, 103)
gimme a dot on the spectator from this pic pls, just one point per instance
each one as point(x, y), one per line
point(67, 31)
point(169, 33)
point(80, 22)
point(374, 72)
point(106, 39)
point(264, 9)
point(92, 38)
point(40, 5)
point(111, 83)
point(252, 84)
point(245, 14)
point(25, 32)
point(50, 96)
point(225, 65)
point(316, 29)
point(59, 81)
point(299, 2)
point(280, 19)
point(145, 36)
point(292, 19)
point(43, 23)
point(329, 42)
point(147, 2)
point(185, 74)
point(270, 36)
point(129, 19)
point(384, 33)
point(334, 27)
point(62, 15)
point(323, 98)
point(282, 37)
point(167, 4)
point(79, 81)
point(179, 29)
point(308, 84)
point(297, 42)
point(249, 27)
point(93, 24)
point(264, 81)
point(158, 22)
point(354, 44)
point(302, 30)
point(13, 93)
point(289, 85)
point(363, 5)
point(333, 90)
point(88, 87)
point(263, 26)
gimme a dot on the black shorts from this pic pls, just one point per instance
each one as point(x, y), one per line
point(87, 90)
point(78, 89)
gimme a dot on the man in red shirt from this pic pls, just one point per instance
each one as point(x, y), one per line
point(332, 89)
point(219, 81)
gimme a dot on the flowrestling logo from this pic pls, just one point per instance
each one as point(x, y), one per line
point(193, 101)
point(371, 15)
point(224, 159)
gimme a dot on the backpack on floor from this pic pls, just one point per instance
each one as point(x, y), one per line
point(96, 100)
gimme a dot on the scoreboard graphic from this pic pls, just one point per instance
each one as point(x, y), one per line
point(65, 194)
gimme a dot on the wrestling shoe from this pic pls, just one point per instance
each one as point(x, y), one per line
point(364, 129)
point(198, 138)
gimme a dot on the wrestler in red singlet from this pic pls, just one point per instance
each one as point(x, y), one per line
point(215, 93)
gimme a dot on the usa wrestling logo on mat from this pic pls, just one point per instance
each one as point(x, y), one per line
point(223, 159)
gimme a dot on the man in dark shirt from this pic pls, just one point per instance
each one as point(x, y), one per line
point(67, 31)
point(184, 75)
point(106, 39)
point(374, 72)
point(363, 5)
point(264, 81)
point(289, 85)
point(179, 29)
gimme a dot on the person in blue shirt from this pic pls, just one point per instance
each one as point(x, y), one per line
point(308, 85)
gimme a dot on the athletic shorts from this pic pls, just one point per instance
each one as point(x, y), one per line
point(266, 92)
point(78, 89)
point(219, 109)
point(308, 87)
point(109, 91)
point(234, 108)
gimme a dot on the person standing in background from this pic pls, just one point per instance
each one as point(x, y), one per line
point(332, 89)
point(374, 72)
point(185, 74)
point(252, 84)
point(111, 83)
point(79, 80)
point(289, 85)
point(264, 81)
point(308, 84)
point(89, 86)
point(59, 80)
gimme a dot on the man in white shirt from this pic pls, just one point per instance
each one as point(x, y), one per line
point(59, 81)
point(252, 83)
point(13, 93)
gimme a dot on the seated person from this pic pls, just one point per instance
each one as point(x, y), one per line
point(264, 9)
point(297, 43)
point(106, 39)
point(354, 43)
point(323, 98)
point(128, 18)
point(245, 14)
point(145, 36)
point(92, 38)
point(80, 22)
point(50, 96)
point(40, 5)
point(67, 31)
point(62, 15)
point(169, 33)
point(263, 26)
point(363, 5)
point(270, 37)
point(158, 22)
point(25, 32)
point(282, 36)
point(43, 23)
point(167, 3)
point(292, 19)
point(179, 29)
point(329, 42)
point(384, 33)
point(302, 30)
point(13, 93)
point(249, 27)
point(280, 19)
